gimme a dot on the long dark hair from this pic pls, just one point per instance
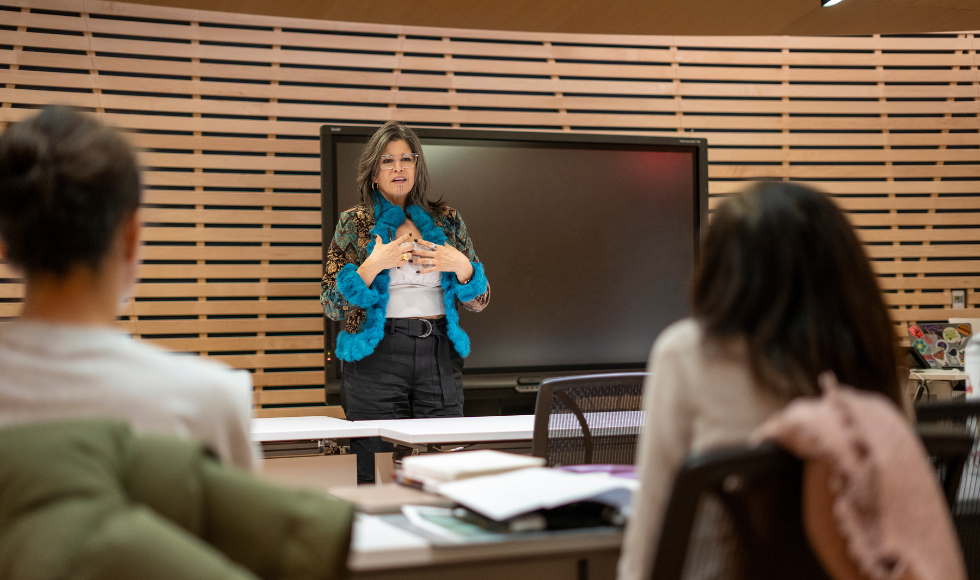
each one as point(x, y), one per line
point(67, 182)
point(369, 165)
point(782, 269)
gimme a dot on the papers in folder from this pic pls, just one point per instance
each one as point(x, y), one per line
point(431, 470)
point(501, 497)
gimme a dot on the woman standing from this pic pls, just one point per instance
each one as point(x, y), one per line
point(397, 269)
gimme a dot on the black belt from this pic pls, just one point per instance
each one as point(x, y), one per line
point(430, 328)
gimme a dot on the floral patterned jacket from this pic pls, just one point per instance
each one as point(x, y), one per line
point(344, 296)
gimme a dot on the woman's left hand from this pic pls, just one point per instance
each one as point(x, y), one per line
point(442, 259)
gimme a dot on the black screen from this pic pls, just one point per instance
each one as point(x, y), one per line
point(588, 247)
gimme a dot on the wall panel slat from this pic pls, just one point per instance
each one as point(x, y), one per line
point(225, 110)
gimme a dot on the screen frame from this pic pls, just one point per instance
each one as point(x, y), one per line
point(330, 213)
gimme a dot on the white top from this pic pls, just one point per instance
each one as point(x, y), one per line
point(414, 431)
point(50, 372)
point(696, 397)
point(316, 427)
point(412, 295)
point(938, 374)
point(377, 545)
point(455, 429)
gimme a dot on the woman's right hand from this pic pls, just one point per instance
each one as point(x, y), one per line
point(384, 256)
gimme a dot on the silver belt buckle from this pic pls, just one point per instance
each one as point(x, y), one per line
point(428, 329)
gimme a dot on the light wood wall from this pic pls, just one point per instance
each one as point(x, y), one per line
point(226, 108)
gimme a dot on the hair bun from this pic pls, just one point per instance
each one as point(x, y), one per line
point(26, 161)
point(66, 184)
point(25, 151)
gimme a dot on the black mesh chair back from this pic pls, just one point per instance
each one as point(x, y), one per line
point(589, 419)
point(949, 449)
point(965, 497)
point(736, 514)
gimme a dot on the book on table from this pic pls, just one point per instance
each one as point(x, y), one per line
point(428, 471)
point(505, 493)
point(508, 495)
point(387, 498)
point(524, 501)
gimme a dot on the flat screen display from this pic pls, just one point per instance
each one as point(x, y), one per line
point(588, 244)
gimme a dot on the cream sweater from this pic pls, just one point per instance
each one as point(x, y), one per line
point(50, 372)
point(696, 397)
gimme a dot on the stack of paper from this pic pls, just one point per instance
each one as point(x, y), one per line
point(501, 497)
point(386, 498)
point(432, 470)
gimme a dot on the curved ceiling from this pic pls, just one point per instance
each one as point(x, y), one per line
point(628, 17)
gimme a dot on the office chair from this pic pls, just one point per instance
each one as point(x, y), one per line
point(589, 419)
point(965, 498)
point(949, 450)
point(737, 514)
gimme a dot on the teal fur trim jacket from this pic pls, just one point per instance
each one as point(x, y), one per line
point(344, 295)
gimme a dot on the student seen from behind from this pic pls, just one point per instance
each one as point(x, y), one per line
point(69, 194)
point(783, 292)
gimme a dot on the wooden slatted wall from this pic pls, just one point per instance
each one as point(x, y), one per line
point(226, 108)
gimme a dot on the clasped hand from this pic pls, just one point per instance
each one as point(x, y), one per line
point(390, 255)
point(443, 258)
point(438, 258)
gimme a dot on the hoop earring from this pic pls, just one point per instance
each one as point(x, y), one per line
point(374, 185)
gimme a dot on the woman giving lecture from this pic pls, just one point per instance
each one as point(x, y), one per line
point(397, 269)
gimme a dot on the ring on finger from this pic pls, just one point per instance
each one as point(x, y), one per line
point(405, 257)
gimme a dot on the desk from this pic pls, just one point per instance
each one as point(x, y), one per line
point(382, 550)
point(440, 431)
point(301, 440)
point(404, 431)
point(510, 433)
point(302, 451)
point(437, 434)
point(923, 377)
point(304, 428)
point(952, 375)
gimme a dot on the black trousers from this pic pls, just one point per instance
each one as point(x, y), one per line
point(413, 373)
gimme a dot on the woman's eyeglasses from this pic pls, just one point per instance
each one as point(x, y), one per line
point(406, 160)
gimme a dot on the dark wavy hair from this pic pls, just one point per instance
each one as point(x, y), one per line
point(369, 165)
point(67, 182)
point(782, 268)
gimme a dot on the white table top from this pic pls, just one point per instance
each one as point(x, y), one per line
point(373, 536)
point(421, 431)
point(457, 429)
point(424, 431)
point(600, 420)
point(938, 375)
point(379, 545)
point(297, 428)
